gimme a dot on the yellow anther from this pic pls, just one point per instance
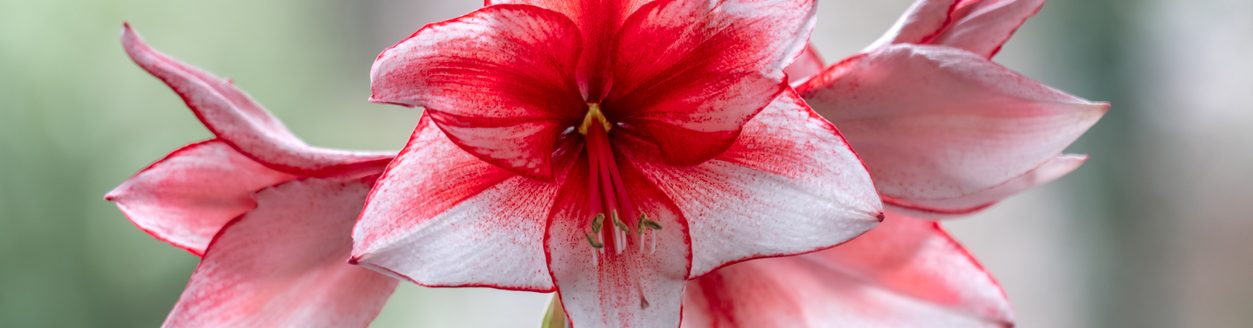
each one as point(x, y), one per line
point(594, 116)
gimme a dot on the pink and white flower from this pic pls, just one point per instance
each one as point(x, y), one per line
point(608, 151)
point(945, 132)
point(270, 216)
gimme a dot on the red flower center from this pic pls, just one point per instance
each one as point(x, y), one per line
point(618, 225)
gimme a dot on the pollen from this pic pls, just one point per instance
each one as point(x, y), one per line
point(594, 116)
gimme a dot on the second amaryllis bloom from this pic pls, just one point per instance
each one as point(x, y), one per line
point(269, 215)
point(607, 151)
point(945, 132)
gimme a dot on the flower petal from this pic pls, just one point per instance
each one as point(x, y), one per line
point(808, 64)
point(640, 287)
point(978, 26)
point(585, 12)
point(919, 259)
point(1052, 169)
point(499, 81)
point(905, 273)
point(185, 198)
point(599, 22)
point(940, 127)
point(441, 217)
point(689, 74)
point(282, 265)
point(789, 185)
point(920, 23)
point(240, 122)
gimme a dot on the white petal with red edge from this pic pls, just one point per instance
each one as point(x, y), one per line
point(499, 81)
point(906, 273)
point(441, 217)
point(239, 121)
point(689, 74)
point(939, 126)
point(283, 265)
point(789, 185)
point(979, 26)
point(185, 198)
point(642, 286)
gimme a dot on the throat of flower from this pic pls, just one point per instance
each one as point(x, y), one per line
point(594, 118)
point(618, 227)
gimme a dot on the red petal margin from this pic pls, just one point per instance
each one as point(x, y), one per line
point(282, 265)
point(947, 131)
point(979, 26)
point(441, 217)
point(905, 273)
point(1052, 169)
point(499, 81)
point(688, 75)
point(587, 14)
point(186, 197)
point(240, 122)
point(808, 64)
point(789, 185)
point(599, 21)
point(643, 286)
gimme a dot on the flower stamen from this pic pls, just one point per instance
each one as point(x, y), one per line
point(608, 197)
point(607, 194)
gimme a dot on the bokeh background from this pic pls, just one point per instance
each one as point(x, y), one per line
point(1156, 231)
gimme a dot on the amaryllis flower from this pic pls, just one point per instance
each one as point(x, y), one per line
point(608, 151)
point(270, 216)
point(944, 132)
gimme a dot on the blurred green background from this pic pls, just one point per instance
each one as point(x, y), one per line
point(1153, 232)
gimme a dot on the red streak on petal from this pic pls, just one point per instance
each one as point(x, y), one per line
point(605, 183)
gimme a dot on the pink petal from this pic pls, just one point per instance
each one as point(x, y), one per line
point(789, 185)
point(282, 265)
point(500, 81)
point(185, 198)
point(808, 64)
point(689, 74)
point(920, 23)
point(240, 122)
point(940, 127)
point(979, 26)
point(905, 273)
point(920, 259)
point(642, 286)
point(441, 217)
point(1052, 169)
